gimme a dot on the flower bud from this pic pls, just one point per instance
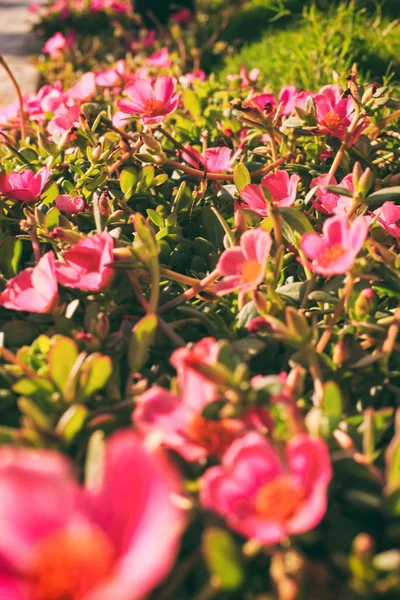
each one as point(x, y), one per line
point(295, 381)
point(341, 351)
point(97, 151)
point(366, 181)
point(357, 172)
point(365, 303)
point(239, 218)
point(363, 545)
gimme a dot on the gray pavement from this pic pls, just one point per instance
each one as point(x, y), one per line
point(17, 45)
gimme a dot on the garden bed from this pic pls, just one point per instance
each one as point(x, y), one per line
point(199, 309)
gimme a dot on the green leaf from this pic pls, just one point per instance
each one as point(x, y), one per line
point(241, 176)
point(127, 180)
point(94, 464)
point(52, 219)
point(223, 558)
point(62, 357)
point(337, 189)
point(192, 103)
point(141, 340)
point(381, 196)
point(72, 421)
point(296, 220)
point(50, 194)
point(332, 401)
point(10, 256)
point(393, 464)
point(155, 218)
point(94, 375)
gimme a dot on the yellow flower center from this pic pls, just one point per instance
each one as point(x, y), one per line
point(331, 254)
point(214, 436)
point(67, 565)
point(332, 120)
point(154, 107)
point(251, 270)
point(279, 499)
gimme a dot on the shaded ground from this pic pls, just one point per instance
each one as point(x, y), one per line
point(17, 44)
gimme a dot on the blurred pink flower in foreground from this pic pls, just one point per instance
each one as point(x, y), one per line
point(178, 420)
point(58, 44)
point(152, 103)
point(215, 160)
point(85, 267)
point(335, 251)
point(329, 202)
point(25, 185)
point(281, 187)
point(389, 217)
point(62, 541)
point(71, 205)
point(33, 289)
point(243, 267)
point(266, 497)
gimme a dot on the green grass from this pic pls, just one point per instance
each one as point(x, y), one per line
point(305, 48)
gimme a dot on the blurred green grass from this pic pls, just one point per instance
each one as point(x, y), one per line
point(302, 43)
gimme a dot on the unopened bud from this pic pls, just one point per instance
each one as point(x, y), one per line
point(260, 302)
point(357, 172)
point(82, 120)
point(341, 351)
point(151, 142)
point(368, 94)
point(366, 181)
point(97, 151)
point(239, 218)
point(104, 205)
point(295, 381)
point(365, 303)
point(363, 545)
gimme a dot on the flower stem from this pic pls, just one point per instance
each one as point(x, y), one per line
point(347, 137)
point(326, 336)
point(19, 94)
point(192, 292)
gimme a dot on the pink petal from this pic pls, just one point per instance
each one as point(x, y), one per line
point(231, 261)
point(133, 504)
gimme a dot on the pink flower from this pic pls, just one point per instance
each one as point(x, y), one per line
point(281, 187)
point(335, 113)
point(159, 59)
point(214, 160)
point(291, 97)
point(66, 118)
point(33, 289)
point(60, 540)
point(85, 267)
point(25, 185)
point(329, 202)
point(84, 89)
point(113, 76)
point(71, 205)
point(152, 103)
point(190, 78)
point(389, 217)
point(243, 267)
point(335, 251)
point(266, 497)
point(58, 44)
point(182, 16)
point(177, 419)
point(34, 7)
point(264, 102)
